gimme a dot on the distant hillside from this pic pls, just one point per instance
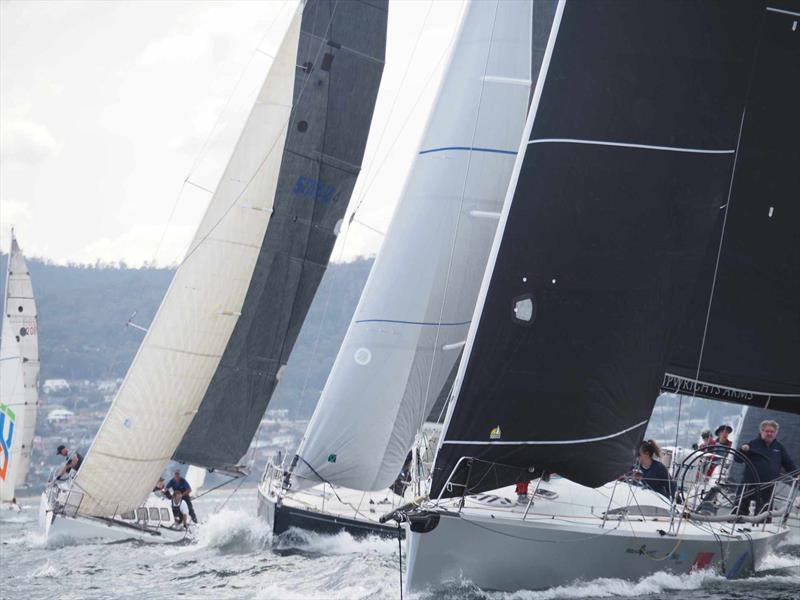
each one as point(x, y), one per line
point(83, 310)
point(82, 315)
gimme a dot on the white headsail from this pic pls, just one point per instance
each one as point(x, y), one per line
point(19, 374)
point(182, 348)
point(412, 319)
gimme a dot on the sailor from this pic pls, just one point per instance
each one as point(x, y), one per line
point(654, 473)
point(179, 510)
point(160, 488)
point(708, 440)
point(768, 456)
point(723, 440)
point(72, 463)
point(179, 484)
point(721, 446)
point(522, 491)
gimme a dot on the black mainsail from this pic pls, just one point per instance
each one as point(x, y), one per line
point(741, 339)
point(635, 152)
point(340, 63)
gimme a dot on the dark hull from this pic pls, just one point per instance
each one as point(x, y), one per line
point(282, 518)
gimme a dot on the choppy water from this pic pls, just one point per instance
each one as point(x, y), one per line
point(234, 557)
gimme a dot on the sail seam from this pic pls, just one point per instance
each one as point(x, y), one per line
point(129, 459)
point(469, 148)
point(630, 145)
point(434, 323)
point(782, 11)
point(547, 442)
point(179, 351)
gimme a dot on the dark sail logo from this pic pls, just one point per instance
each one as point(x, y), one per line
point(314, 188)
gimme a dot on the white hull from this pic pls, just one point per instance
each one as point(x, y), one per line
point(11, 506)
point(57, 526)
point(497, 549)
point(319, 510)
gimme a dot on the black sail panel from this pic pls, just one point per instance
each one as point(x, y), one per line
point(750, 353)
point(340, 63)
point(630, 157)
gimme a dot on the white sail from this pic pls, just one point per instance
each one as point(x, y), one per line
point(412, 319)
point(196, 476)
point(181, 350)
point(19, 373)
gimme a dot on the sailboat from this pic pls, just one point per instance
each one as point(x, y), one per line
point(648, 235)
point(199, 383)
point(19, 376)
point(411, 322)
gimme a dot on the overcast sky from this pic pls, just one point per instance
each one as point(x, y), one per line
point(107, 107)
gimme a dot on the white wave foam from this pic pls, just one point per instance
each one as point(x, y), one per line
point(776, 560)
point(233, 531)
point(607, 588)
point(340, 543)
point(46, 571)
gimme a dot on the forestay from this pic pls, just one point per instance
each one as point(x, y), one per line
point(19, 373)
point(182, 348)
point(412, 319)
point(340, 62)
point(619, 193)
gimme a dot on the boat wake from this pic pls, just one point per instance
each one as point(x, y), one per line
point(778, 570)
point(232, 531)
point(332, 545)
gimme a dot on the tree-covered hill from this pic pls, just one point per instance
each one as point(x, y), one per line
point(83, 310)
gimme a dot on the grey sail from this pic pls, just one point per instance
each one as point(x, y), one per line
point(339, 67)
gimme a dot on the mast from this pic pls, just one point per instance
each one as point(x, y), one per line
point(412, 319)
point(340, 63)
point(630, 155)
point(182, 348)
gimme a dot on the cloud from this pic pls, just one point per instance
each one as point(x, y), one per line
point(138, 245)
point(183, 47)
point(26, 141)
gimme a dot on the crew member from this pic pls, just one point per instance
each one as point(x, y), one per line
point(179, 484)
point(179, 510)
point(654, 473)
point(768, 456)
point(73, 461)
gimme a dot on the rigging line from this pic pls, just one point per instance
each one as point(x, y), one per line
point(725, 216)
point(527, 539)
point(369, 169)
point(280, 136)
point(213, 130)
point(444, 54)
point(236, 489)
point(216, 487)
point(400, 558)
point(461, 202)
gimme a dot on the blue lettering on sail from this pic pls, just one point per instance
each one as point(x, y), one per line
point(314, 188)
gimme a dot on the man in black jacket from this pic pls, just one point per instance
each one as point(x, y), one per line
point(768, 457)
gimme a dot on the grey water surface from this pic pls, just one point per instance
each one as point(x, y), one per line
point(234, 557)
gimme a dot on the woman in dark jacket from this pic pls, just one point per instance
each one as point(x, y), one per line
point(654, 473)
